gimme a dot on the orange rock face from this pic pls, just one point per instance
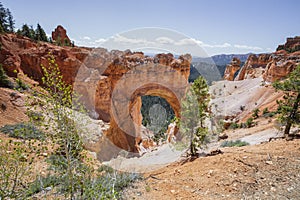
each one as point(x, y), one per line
point(60, 35)
point(291, 45)
point(274, 66)
point(111, 83)
point(254, 66)
point(231, 69)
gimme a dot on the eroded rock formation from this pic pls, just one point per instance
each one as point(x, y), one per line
point(231, 69)
point(111, 82)
point(59, 35)
point(273, 66)
point(291, 45)
point(254, 66)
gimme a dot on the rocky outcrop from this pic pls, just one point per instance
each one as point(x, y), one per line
point(232, 68)
point(59, 35)
point(274, 66)
point(254, 66)
point(291, 45)
point(20, 54)
point(111, 82)
point(281, 66)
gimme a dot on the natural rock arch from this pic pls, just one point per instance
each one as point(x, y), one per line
point(112, 84)
point(153, 79)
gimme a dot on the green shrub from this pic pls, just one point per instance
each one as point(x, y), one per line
point(108, 186)
point(236, 143)
point(255, 113)
point(234, 125)
point(35, 116)
point(250, 122)
point(23, 131)
point(4, 81)
point(40, 184)
point(267, 113)
point(21, 86)
point(13, 170)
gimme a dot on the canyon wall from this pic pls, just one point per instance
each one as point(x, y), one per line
point(111, 82)
point(272, 67)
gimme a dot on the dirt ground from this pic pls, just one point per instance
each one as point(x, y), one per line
point(265, 171)
point(262, 171)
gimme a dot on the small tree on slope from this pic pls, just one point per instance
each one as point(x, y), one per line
point(288, 107)
point(195, 110)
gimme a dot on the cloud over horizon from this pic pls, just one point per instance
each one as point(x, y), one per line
point(165, 43)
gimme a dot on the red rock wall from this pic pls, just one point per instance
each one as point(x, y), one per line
point(96, 73)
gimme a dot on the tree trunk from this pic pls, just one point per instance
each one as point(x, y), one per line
point(291, 118)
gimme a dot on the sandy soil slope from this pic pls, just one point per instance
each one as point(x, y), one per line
point(265, 171)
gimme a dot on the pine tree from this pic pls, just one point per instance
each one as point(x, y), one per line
point(195, 110)
point(200, 89)
point(288, 107)
point(40, 34)
point(3, 19)
point(6, 20)
point(27, 32)
point(10, 21)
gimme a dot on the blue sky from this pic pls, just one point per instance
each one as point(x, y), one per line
point(220, 26)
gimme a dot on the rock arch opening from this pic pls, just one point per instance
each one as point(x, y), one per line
point(157, 114)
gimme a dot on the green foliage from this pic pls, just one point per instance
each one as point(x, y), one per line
point(108, 185)
point(288, 107)
point(4, 82)
point(234, 125)
point(255, 113)
point(195, 110)
point(250, 122)
point(236, 143)
point(13, 169)
point(35, 116)
point(66, 42)
point(267, 113)
point(68, 157)
point(38, 34)
point(41, 184)
point(6, 20)
point(69, 173)
point(201, 91)
point(21, 86)
point(26, 31)
point(24, 131)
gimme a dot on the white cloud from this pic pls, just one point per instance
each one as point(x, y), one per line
point(248, 47)
point(86, 38)
point(225, 45)
point(188, 41)
point(124, 40)
point(100, 40)
point(185, 45)
point(164, 40)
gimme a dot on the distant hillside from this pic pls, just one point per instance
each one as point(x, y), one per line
point(207, 66)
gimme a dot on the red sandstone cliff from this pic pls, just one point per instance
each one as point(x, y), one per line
point(96, 73)
point(273, 66)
